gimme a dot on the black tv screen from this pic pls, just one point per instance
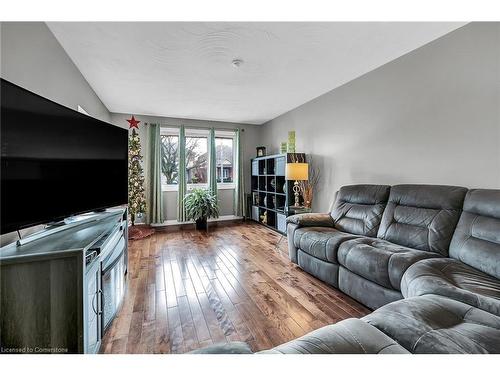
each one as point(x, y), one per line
point(56, 162)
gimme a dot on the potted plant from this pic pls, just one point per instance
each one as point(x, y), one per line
point(201, 204)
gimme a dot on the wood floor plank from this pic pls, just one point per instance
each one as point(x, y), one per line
point(150, 303)
point(202, 331)
point(134, 336)
point(176, 337)
point(188, 326)
point(188, 289)
point(162, 338)
point(169, 284)
point(176, 274)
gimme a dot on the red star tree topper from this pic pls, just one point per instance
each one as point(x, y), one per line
point(133, 123)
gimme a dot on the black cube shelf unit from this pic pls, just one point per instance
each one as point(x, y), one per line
point(271, 192)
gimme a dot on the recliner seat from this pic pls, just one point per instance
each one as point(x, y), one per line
point(314, 239)
point(473, 274)
point(435, 324)
point(417, 223)
point(381, 263)
point(451, 278)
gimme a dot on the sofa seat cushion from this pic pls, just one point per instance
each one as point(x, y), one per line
point(379, 261)
point(349, 336)
point(320, 242)
point(435, 324)
point(456, 280)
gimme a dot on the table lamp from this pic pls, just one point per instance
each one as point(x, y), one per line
point(297, 172)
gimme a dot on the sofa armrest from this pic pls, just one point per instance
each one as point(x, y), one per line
point(235, 347)
point(311, 220)
point(349, 336)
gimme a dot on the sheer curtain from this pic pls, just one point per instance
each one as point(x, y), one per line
point(212, 171)
point(239, 192)
point(155, 199)
point(181, 193)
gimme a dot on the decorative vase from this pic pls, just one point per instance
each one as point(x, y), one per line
point(283, 147)
point(265, 201)
point(284, 188)
point(273, 184)
point(291, 141)
point(255, 199)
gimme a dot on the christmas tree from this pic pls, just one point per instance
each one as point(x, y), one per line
point(136, 197)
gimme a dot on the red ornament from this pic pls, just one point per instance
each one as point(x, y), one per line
point(133, 123)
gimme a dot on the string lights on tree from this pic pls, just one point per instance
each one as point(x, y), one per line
point(136, 193)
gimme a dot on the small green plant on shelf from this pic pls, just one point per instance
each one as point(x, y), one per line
point(201, 204)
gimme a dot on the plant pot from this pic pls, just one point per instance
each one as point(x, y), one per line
point(201, 224)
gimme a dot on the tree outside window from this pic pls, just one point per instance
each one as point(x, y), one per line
point(170, 159)
point(196, 160)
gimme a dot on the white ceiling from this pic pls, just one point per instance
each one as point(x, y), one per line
point(184, 69)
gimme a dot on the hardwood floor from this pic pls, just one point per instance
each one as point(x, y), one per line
point(188, 289)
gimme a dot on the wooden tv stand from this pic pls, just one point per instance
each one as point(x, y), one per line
point(51, 299)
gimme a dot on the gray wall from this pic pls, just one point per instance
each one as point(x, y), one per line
point(31, 57)
point(431, 116)
point(250, 138)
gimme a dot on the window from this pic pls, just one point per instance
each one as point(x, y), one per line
point(224, 160)
point(197, 159)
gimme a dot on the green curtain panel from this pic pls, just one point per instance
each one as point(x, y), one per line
point(239, 192)
point(212, 172)
point(155, 201)
point(181, 193)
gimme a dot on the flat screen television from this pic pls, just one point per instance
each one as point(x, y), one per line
point(56, 162)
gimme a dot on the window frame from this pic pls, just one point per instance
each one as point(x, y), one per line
point(227, 135)
point(174, 131)
point(199, 133)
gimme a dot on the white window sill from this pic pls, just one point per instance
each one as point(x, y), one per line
point(226, 186)
point(211, 220)
point(202, 186)
point(169, 188)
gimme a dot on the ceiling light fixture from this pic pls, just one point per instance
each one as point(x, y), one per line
point(237, 63)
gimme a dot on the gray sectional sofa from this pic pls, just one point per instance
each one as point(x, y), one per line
point(425, 257)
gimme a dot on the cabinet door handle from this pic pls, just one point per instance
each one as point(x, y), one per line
point(100, 305)
point(93, 303)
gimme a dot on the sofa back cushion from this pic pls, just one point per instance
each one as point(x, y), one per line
point(476, 240)
point(358, 209)
point(422, 217)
